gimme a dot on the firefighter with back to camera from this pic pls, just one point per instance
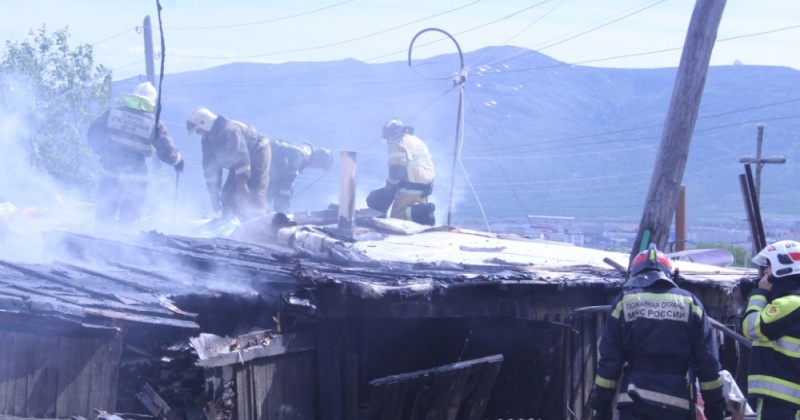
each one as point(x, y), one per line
point(656, 341)
point(772, 322)
point(410, 179)
point(124, 137)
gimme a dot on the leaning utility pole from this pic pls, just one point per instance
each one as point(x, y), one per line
point(759, 161)
point(148, 50)
point(676, 138)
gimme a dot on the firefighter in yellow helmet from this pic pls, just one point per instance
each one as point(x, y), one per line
point(411, 175)
point(244, 152)
point(123, 137)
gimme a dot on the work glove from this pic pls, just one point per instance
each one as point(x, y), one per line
point(715, 410)
point(602, 414)
point(179, 165)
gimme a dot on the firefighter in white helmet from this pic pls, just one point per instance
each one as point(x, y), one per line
point(244, 152)
point(123, 137)
point(411, 175)
point(772, 321)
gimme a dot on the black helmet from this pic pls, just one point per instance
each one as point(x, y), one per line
point(651, 259)
point(321, 158)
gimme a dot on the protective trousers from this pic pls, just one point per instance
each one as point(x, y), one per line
point(121, 193)
point(256, 199)
point(775, 410)
point(403, 202)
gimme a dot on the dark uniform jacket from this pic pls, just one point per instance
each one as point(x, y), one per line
point(240, 148)
point(773, 323)
point(658, 334)
point(288, 161)
point(124, 138)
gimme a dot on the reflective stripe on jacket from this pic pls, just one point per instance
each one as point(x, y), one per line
point(123, 133)
point(774, 365)
point(412, 153)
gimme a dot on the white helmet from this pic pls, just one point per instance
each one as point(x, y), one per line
point(147, 92)
point(395, 128)
point(200, 118)
point(782, 256)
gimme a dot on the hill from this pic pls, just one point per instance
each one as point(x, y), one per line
point(540, 136)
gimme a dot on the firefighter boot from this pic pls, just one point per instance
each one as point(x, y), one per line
point(423, 213)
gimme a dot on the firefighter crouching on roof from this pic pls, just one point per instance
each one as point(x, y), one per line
point(288, 161)
point(772, 321)
point(244, 152)
point(656, 341)
point(410, 179)
point(123, 137)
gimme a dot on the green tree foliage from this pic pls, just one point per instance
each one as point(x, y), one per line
point(67, 92)
point(740, 255)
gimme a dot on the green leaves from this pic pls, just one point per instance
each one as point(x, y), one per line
point(64, 92)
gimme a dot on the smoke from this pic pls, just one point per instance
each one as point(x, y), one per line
point(30, 200)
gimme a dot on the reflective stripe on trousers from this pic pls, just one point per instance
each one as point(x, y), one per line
point(659, 397)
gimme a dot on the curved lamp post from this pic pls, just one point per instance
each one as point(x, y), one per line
point(459, 80)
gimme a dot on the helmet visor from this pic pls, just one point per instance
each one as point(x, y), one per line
point(190, 126)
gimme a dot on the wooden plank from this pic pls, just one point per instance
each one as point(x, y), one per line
point(37, 375)
point(155, 404)
point(270, 389)
point(244, 394)
point(280, 344)
point(113, 352)
point(103, 363)
point(350, 384)
point(22, 346)
point(63, 389)
point(6, 363)
point(475, 405)
point(83, 381)
point(437, 393)
point(329, 370)
point(50, 385)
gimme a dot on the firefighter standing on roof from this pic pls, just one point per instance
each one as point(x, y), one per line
point(772, 321)
point(410, 179)
point(124, 137)
point(288, 161)
point(244, 152)
point(656, 341)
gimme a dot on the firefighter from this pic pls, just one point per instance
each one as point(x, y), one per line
point(244, 152)
point(123, 137)
point(410, 179)
point(656, 341)
point(288, 161)
point(772, 321)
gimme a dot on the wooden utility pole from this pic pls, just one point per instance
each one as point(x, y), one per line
point(676, 138)
point(149, 58)
point(680, 222)
point(148, 51)
point(759, 161)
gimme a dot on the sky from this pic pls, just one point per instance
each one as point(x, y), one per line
point(205, 34)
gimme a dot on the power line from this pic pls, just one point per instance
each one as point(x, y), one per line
point(336, 43)
point(261, 22)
